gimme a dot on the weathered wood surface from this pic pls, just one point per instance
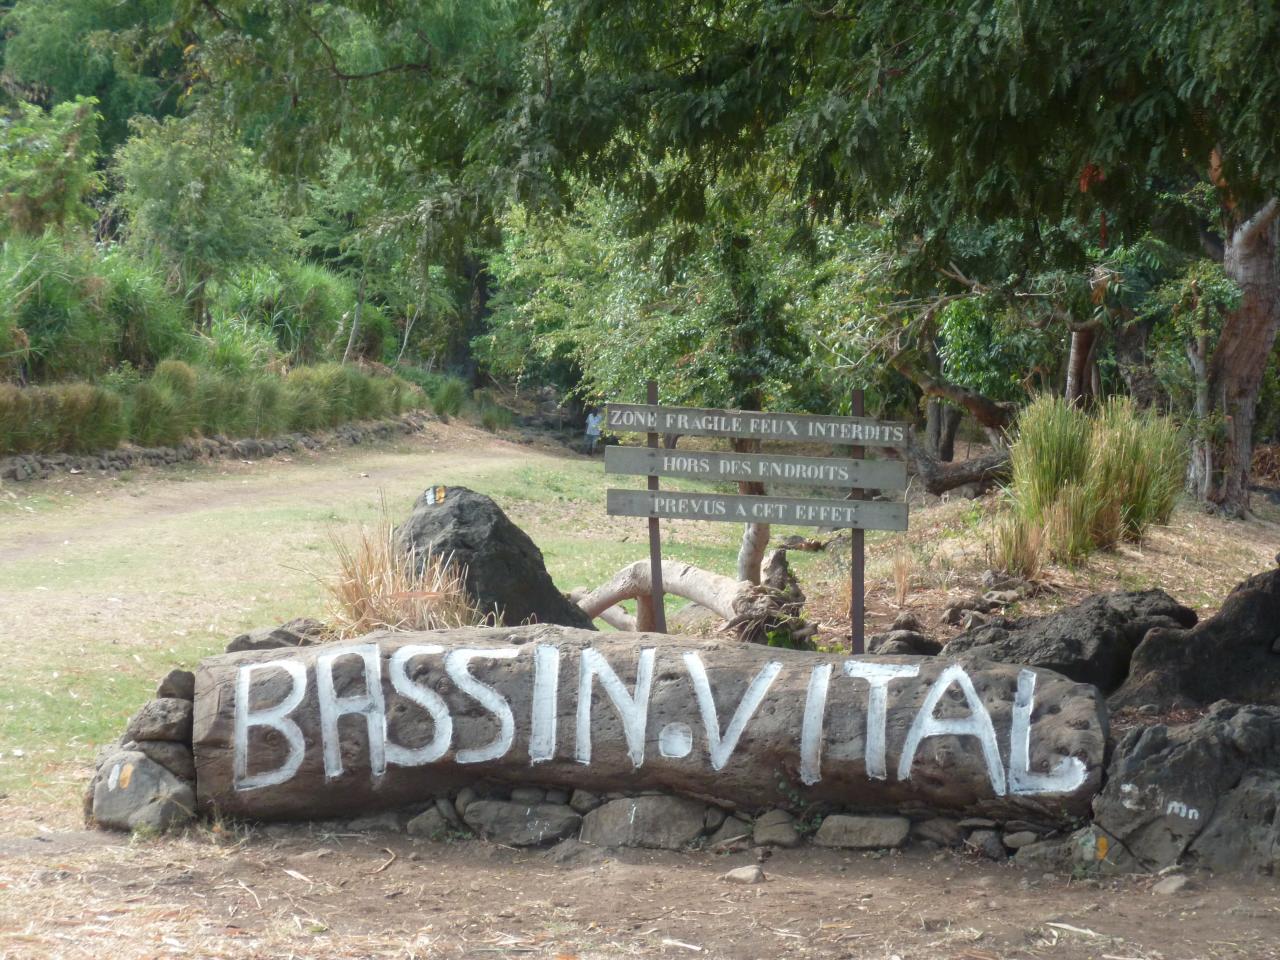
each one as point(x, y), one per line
point(794, 427)
point(734, 508)
point(761, 467)
point(742, 725)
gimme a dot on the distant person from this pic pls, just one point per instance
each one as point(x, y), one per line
point(593, 431)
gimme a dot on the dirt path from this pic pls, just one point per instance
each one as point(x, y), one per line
point(294, 892)
point(105, 584)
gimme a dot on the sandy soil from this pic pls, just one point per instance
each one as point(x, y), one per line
point(294, 892)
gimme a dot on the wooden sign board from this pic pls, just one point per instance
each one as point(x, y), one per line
point(766, 468)
point(796, 511)
point(794, 427)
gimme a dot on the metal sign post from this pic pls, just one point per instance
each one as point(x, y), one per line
point(655, 535)
point(858, 558)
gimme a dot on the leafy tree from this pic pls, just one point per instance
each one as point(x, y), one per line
point(195, 198)
point(57, 50)
point(946, 116)
point(47, 167)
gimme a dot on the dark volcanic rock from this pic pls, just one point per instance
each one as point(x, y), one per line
point(1090, 642)
point(505, 571)
point(132, 792)
point(300, 632)
point(1205, 793)
point(903, 642)
point(1232, 655)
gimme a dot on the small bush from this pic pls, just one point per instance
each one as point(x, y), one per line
point(159, 417)
point(73, 418)
point(176, 376)
point(1017, 546)
point(1087, 481)
point(380, 586)
point(89, 418)
point(447, 396)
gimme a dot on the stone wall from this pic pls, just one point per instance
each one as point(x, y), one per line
point(41, 466)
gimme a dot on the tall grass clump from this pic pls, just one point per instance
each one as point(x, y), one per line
point(379, 585)
point(1084, 482)
point(72, 418)
point(447, 396)
point(160, 416)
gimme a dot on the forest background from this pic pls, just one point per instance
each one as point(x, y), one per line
point(251, 216)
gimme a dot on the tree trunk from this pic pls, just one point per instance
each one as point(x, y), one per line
point(355, 321)
point(1223, 451)
point(351, 728)
point(1135, 366)
point(941, 423)
point(1079, 378)
point(751, 611)
point(755, 536)
point(938, 477)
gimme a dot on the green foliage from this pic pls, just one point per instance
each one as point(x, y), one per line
point(307, 309)
point(72, 311)
point(74, 417)
point(196, 199)
point(48, 167)
point(493, 415)
point(1086, 481)
point(60, 49)
point(160, 416)
point(447, 395)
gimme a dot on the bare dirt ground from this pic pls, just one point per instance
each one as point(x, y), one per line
point(295, 892)
point(104, 584)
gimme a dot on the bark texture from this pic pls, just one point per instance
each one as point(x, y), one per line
point(706, 746)
point(751, 610)
point(1231, 377)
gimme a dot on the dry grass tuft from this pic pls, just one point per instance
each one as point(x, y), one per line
point(380, 586)
point(904, 563)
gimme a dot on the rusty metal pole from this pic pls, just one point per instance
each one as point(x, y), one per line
point(655, 535)
point(858, 559)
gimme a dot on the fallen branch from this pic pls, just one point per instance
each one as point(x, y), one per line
point(939, 477)
point(750, 610)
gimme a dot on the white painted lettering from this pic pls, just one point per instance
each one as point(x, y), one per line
point(428, 699)
point(455, 665)
point(721, 748)
point(542, 722)
point(977, 724)
point(275, 718)
point(815, 715)
point(368, 704)
point(1069, 772)
point(878, 677)
point(633, 709)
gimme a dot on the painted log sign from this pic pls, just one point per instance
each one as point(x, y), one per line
point(858, 514)
point(393, 719)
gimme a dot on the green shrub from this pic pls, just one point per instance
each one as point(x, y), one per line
point(1051, 451)
point(176, 376)
point(73, 417)
point(149, 320)
point(493, 416)
point(80, 311)
point(159, 417)
point(1088, 481)
point(265, 414)
point(89, 418)
point(306, 405)
point(234, 346)
point(447, 396)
